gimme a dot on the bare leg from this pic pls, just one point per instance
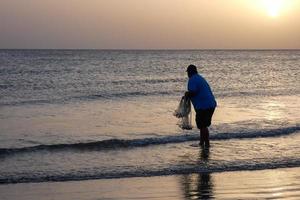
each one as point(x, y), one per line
point(204, 136)
point(207, 138)
point(201, 143)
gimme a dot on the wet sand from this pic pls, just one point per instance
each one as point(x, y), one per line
point(281, 183)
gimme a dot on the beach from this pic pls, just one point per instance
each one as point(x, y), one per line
point(73, 128)
point(262, 184)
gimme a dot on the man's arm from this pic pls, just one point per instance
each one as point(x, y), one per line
point(192, 89)
point(189, 94)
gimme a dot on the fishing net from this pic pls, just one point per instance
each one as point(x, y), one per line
point(183, 112)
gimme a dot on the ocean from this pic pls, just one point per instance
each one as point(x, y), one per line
point(71, 115)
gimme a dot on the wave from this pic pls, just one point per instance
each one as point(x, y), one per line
point(118, 95)
point(90, 97)
point(147, 80)
point(271, 92)
point(114, 144)
point(129, 94)
point(47, 85)
point(170, 170)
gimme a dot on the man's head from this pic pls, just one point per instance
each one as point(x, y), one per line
point(191, 70)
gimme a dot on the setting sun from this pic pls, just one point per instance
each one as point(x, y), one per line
point(273, 7)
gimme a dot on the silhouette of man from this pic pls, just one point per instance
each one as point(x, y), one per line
point(203, 101)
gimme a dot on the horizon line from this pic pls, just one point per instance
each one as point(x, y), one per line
point(160, 49)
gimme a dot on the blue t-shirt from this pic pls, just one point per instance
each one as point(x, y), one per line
point(204, 98)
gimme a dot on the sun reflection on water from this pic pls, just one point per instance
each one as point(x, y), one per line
point(273, 109)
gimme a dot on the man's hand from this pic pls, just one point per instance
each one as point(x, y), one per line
point(189, 94)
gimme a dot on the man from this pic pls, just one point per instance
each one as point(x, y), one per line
point(203, 101)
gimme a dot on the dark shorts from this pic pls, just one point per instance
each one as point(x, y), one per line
point(203, 117)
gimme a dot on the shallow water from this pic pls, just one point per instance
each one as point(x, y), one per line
point(80, 115)
point(262, 184)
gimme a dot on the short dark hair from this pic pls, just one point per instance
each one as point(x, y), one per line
point(192, 69)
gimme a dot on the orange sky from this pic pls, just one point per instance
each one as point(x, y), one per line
point(150, 24)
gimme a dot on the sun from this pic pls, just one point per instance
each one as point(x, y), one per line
point(273, 7)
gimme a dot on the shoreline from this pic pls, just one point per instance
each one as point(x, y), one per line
point(237, 170)
point(281, 182)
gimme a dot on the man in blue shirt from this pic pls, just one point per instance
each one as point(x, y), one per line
point(203, 101)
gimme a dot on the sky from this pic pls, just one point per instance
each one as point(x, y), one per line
point(150, 24)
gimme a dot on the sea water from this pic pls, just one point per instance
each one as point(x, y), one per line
point(99, 114)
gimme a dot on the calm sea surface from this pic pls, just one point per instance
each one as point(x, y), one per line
point(93, 114)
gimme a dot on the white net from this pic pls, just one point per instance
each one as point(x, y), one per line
point(183, 112)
